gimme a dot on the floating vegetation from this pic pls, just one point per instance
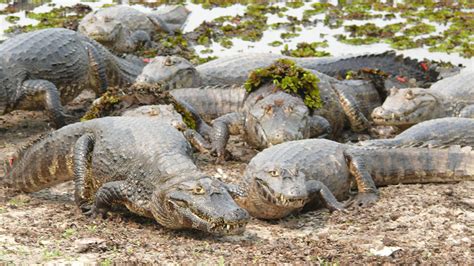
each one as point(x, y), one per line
point(275, 43)
point(12, 19)
point(289, 77)
point(289, 35)
point(305, 49)
point(62, 17)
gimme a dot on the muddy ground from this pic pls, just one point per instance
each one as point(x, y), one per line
point(410, 223)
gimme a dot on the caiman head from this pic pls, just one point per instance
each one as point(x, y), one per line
point(406, 107)
point(276, 118)
point(172, 72)
point(101, 26)
point(274, 189)
point(203, 204)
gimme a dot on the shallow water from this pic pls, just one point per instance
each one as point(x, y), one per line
point(308, 34)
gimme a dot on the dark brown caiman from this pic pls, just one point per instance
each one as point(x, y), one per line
point(284, 178)
point(141, 163)
point(48, 68)
point(176, 72)
point(449, 97)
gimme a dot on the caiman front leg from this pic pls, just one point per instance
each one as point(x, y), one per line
point(367, 191)
point(136, 196)
point(357, 119)
point(221, 129)
point(46, 92)
point(197, 141)
point(318, 189)
point(82, 160)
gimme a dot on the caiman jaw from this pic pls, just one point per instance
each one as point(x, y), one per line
point(216, 226)
point(278, 199)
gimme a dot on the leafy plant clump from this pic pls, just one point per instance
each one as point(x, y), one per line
point(289, 77)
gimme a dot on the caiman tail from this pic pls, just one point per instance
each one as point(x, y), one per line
point(420, 165)
point(388, 62)
point(43, 163)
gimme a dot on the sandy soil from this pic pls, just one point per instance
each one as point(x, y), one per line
point(409, 224)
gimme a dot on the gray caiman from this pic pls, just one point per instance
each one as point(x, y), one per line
point(449, 97)
point(284, 178)
point(122, 28)
point(48, 68)
point(177, 72)
point(432, 133)
point(141, 163)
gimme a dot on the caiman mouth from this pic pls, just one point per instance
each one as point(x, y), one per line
point(214, 226)
point(278, 199)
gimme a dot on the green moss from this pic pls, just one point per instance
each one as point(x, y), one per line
point(289, 77)
point(357, 40)
point(207, 51)
point(305, 49)
point(402, 43)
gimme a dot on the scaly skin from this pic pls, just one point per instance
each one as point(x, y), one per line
point(236, 68)
point(284, 178)
point(450, 97)
point(141, 163)
point(432, 133)
point(123, 28)
point(48, 68)
point(268, 117)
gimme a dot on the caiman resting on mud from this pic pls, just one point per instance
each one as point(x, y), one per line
point(284, 178)
point(450, 97)
point(176, 72)
point(137, 162)
point(48, 68)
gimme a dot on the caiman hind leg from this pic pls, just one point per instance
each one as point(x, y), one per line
point(98, 67)
point(43, 91)
point(222, 127)
point(367, 191)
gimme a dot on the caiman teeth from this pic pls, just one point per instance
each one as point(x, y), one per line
point(277, 198)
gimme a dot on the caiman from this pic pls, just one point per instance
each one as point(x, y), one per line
point(449, 97)
point(174, 71)
point(284, 178)
point(122, 28)
point(432, 133)
point(48, 68)
point(141, 163)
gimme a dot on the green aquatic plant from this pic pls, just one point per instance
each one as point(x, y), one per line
point(61, 17)
point(289, 77)
point(305, 49)
point(275, 43)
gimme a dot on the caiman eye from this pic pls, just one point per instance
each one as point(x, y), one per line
point(198, 190)
point(409, 95)
point(169, 61)
point(268, 109)
point(274, 173)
